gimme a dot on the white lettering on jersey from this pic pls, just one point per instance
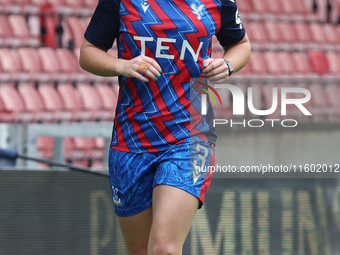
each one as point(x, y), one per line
point(186, 45)
point(142, 40)
point(159, 47)
point(162, 47)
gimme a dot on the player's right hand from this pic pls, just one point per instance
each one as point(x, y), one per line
point(141, 65)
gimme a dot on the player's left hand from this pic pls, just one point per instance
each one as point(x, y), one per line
point(215, 70)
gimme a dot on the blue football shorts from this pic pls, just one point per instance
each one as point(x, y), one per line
point(133, 175)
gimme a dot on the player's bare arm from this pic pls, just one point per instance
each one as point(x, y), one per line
point(96, 60)
point(216, 71)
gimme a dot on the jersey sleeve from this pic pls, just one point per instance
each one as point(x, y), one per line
point(104, 25)
point(232, 30)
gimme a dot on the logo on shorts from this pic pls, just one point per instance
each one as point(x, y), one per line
point(115, 198)
point(197, 10)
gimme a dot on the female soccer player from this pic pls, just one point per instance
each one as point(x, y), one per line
point(160, 138)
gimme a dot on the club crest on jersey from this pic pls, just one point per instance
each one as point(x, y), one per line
point(145, 5)
point(198, 10)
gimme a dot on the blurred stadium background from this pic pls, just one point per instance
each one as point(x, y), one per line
point(50, 108)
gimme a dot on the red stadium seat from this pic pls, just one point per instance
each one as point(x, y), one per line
point(321, 11)
point(4, 4)
point(73, 3)
point(11, 66)
point(92, 102)
point(6, 33)
point(272, 6)
point(302, 32)
point(258, 64)
point(330, 32)
point(317, 33)
point(273, 63)
point(54, 103)
point(84, 144)
point(31, 64)
point(70, 151)
point(99, 143)
point(287, 7)
point(14, 103)
point(245, 6)
point(301, 7)
point(77, 30)
point(50, 64)
point(259, 6)
point(20, 30)
point(287, 32)
point(45, 146)
point(75, 8)
point(40, 2)
point(301, 63)
point(72, 102)
point(286, 63)
point(81, 162)
point(97, 164)
point(246, 26)
point(257, 35)
point(48, 24)
point(85, 21)
point(288, 37)
point(69, 64)
point(273, 32)
point(334, 63)
point(17, 7)
point(90, 4)
point(5, 115)
point(109, 96)
point(4, 76)
point(48, 59)
point(318, 62)
point(97, 149)
point(88, 146)
point(34, 102)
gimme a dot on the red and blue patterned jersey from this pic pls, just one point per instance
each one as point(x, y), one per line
point(153, 116)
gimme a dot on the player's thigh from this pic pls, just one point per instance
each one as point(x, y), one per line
point(131, 177)
point(178, 193)
point(136, 230)
point(173, 212)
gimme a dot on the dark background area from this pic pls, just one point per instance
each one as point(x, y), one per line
point(63, 212)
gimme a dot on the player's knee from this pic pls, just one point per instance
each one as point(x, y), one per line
point(165, 248)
